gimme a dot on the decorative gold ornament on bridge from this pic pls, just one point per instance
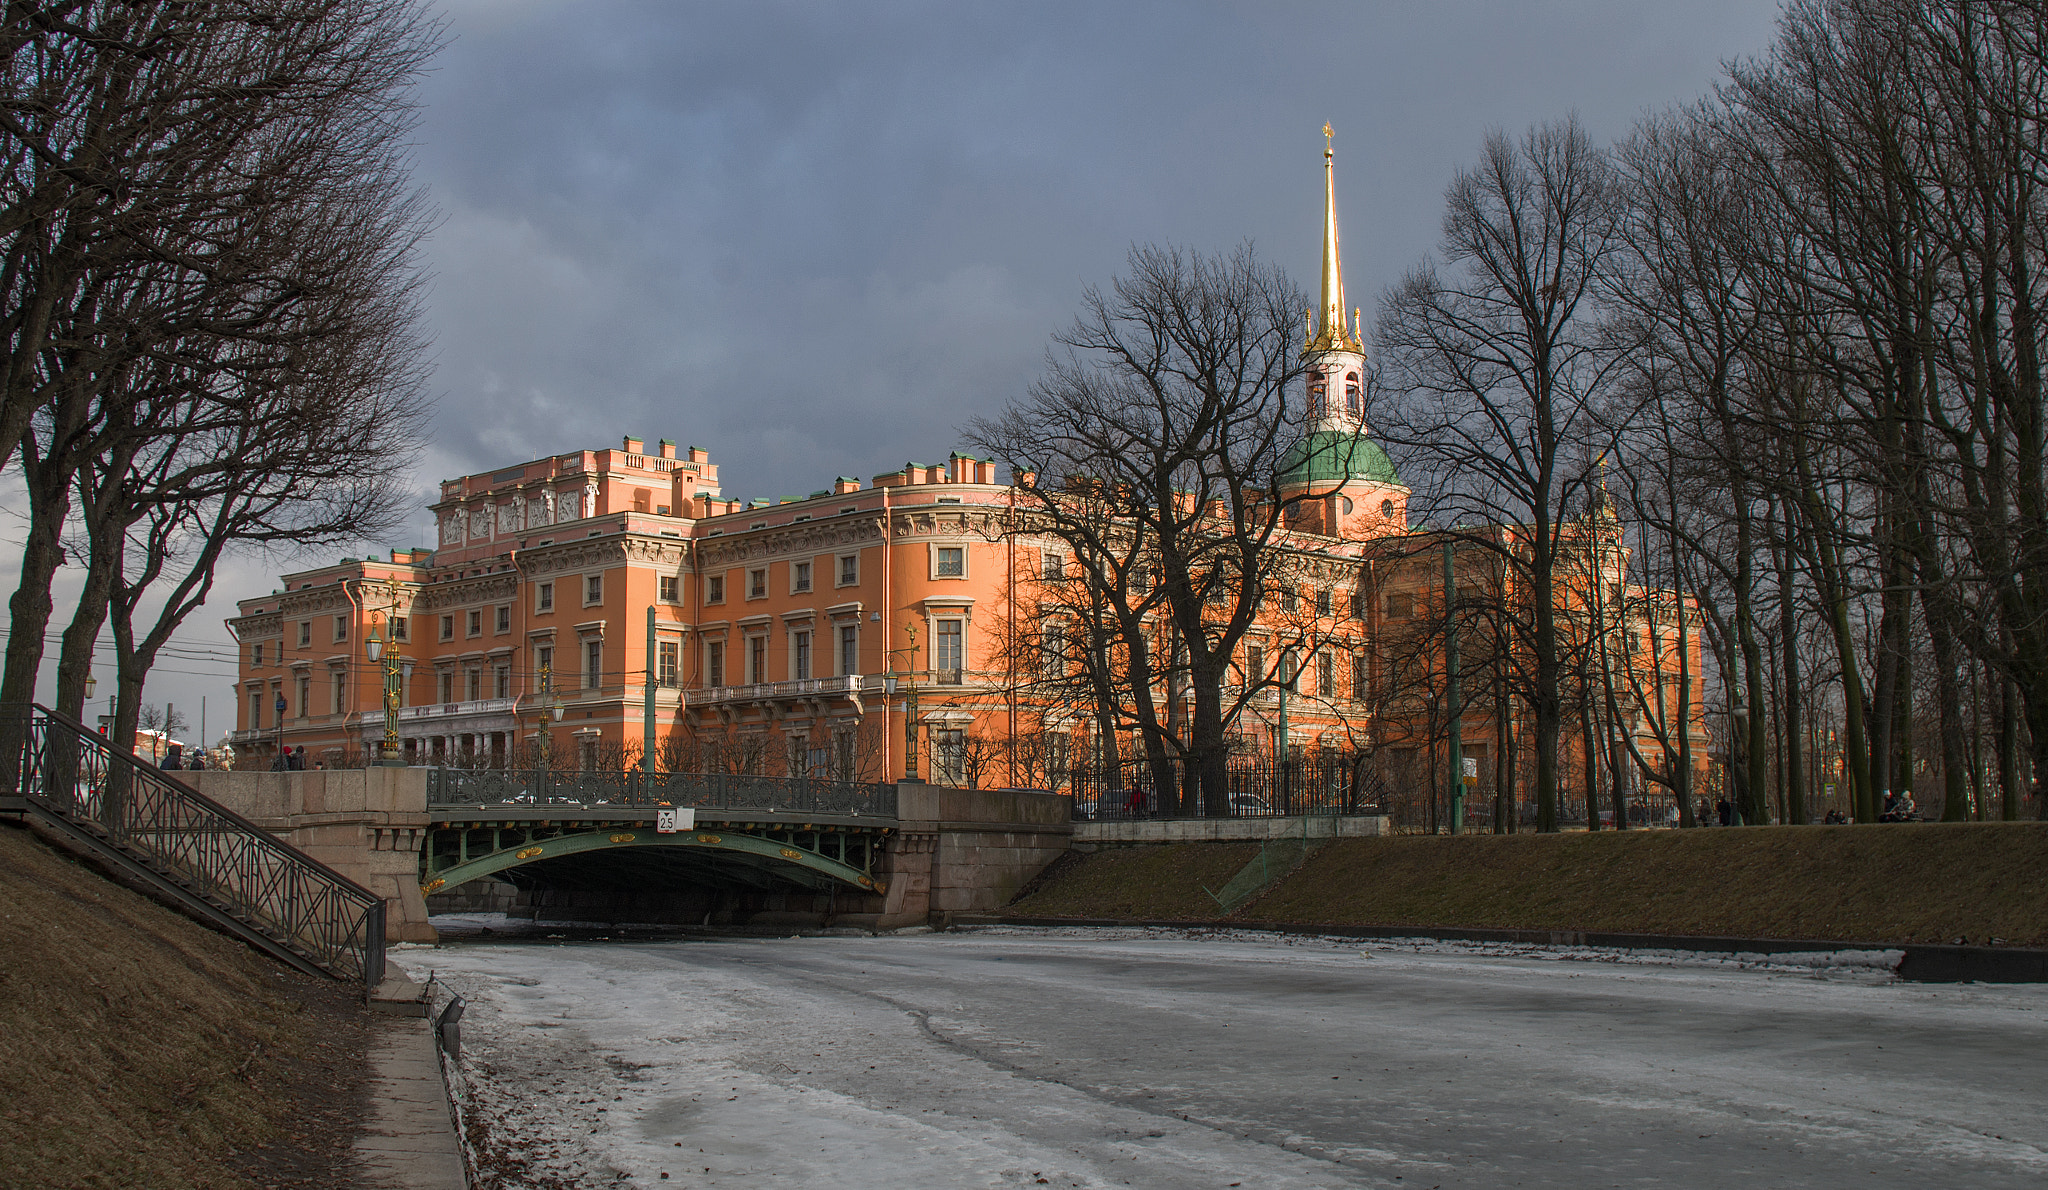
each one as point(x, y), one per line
point(621, 838)
point(433, 885)
point(526, 853)
point(709, 839)
point(791, 853)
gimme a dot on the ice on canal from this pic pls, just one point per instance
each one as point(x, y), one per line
point(1017, 1057)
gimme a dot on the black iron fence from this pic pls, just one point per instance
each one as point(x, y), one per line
point(706, 791)
point(235, 871)
point(1257, 787)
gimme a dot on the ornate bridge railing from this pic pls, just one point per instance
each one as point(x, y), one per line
point(220, 865)
point(705, 791)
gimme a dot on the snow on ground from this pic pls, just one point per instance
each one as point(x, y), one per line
point(1182, 1058)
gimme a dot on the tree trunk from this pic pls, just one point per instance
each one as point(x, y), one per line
point(1794, 695)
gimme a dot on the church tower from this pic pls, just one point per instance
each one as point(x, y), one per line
point(1336, 357)
point(1354, 491)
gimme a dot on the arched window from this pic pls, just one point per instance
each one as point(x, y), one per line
point(1351, 405)
point(1387, 509)
point(1318, 396)
point(1345, 503)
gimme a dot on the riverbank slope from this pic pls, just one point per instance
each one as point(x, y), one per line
point(1981, 883)
point(139, 1048)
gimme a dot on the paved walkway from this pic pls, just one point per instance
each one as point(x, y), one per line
point(409, 1142)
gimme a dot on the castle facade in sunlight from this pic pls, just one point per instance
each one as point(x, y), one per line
point(585, 608)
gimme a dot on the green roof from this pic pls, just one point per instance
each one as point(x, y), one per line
point(1329, 457)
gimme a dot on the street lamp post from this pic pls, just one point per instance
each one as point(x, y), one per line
point(282, 763)
point(397, 669)
point(889, 682)
point(550, 713)
point(909, 680)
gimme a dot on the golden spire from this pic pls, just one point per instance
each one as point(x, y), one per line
point(1331, 333)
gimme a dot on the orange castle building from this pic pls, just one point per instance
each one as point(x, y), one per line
point(581, 609)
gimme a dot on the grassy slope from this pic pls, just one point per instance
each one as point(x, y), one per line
point(1138, 882)
point(140, 1049)
point(1920, 883)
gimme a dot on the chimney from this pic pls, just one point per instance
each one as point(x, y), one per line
point(668, 448)
point(634, 445)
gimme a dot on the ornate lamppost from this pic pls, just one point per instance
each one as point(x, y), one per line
point(550, 714)
point(909, 680)
point(397, 670)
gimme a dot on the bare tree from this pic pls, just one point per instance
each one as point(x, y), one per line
point(1496, 374)
point(208, 232)
point(1155, 444)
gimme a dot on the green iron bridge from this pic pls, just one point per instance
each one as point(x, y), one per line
point(625, 831)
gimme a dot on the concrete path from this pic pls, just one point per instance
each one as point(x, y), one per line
point(409, 1142)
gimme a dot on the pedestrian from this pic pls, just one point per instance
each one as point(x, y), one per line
point(298, 761)
point(1725, 812)
point(282, 761)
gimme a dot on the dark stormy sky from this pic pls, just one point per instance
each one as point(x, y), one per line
point(815, 238)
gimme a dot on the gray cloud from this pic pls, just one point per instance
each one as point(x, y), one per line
point(814, 238)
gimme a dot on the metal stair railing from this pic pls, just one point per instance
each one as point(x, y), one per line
point(218, 864)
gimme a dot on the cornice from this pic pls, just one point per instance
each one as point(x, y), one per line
point(250, 627)
point(588, 554)
point(811, 537)
point(936, 521)
point(496, 587)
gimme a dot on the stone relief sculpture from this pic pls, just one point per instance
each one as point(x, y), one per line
point(451, 528)
point(547, 516)
point(590, 498)
point(513, 518)
point(480, 522)
point(536, 511)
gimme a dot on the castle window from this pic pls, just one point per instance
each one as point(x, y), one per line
point(1351, 405)
point(1387, 509)
point(1317, 391)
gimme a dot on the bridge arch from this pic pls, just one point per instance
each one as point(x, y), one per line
point(769, 854)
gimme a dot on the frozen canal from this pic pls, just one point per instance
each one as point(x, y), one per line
point(1094, 1059)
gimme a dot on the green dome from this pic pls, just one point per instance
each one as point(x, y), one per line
point(1329, 457)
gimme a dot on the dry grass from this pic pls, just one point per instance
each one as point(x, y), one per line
point(1157, 882)
point(1892, 884)
point(141, 1049)
point(1916, 883)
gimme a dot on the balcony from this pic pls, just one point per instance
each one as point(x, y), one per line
point(445, 713)
point(844, 686)
point(771, 693)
